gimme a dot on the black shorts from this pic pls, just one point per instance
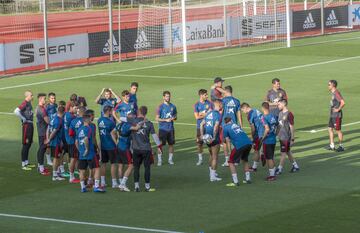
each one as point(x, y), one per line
point(214, 143)
point(56, 151)
point(65, 146)
point(109, 155)
point(140, 156)
point(167, 137)
point(284, 146)
point(242, 154)
point(125, 157)
point(73, 151)
point(256, 144)
point(199, 140)
point(27, 133)
point(269, 151)
point(335, 123)
point(84, 164)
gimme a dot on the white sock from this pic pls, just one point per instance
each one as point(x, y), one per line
point(332, 145)
point(55, 174)
point(26, 162)
point(103, 181)
point(137, 185)
point(247, 176)
point(213, 173)
point(97, 183)
point(159, 157)
point(62, 169)
point(123, 181)
point(272, 172)
point(235, 178)
point(295, 164)
point(23, 164)
point(226, 159)
point(200, 157)
point(48, 158)
point(171, 155)
point(114, 182)
point(147, 185)
point(41, 168)
point(255, 165)
point(72, 176)
point(120, 180)
point(82, 183)
point(280, 167)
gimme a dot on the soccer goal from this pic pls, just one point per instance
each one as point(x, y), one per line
point(182, 27)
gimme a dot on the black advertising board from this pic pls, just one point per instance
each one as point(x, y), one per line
point(336, 16)
point(147, 38)
point(306, 20)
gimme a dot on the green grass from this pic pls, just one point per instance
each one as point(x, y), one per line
point(323, 197)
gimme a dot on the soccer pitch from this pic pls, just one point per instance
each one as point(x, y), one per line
point(323, 197)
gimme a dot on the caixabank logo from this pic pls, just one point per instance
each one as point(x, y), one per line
point(356, 15)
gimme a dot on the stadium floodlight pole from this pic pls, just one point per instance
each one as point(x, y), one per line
point(287, 23)
point(322, 17)
point(183, 22)
point(111, 42)
point(46, 44)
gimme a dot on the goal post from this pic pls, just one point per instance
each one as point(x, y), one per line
point(177, 28)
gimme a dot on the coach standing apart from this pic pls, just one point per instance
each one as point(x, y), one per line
point(274, 95)
point(26, 115)
point(337, 103)
point(142, 151)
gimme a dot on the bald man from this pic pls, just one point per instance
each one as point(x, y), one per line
point(25, 113)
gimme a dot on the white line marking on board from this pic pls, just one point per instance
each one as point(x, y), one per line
point(325, 129)
point(86, 76)
point(87, 223)
point(293, 67)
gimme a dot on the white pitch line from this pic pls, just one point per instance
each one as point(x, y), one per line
point(159, 77)
point(87, 223)
point(293, 67)
point(87, 76)
point(325, 129)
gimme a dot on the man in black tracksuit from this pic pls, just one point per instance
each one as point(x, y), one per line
point(142, 152)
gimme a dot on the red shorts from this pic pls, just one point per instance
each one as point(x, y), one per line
point(256, 144)
point(56, 151)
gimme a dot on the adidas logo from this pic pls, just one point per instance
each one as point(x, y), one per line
point(142, 42)
point(101, 124)
point(309, 22)
point(331, 19)
point(116, 46)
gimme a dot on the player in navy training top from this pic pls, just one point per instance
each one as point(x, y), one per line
point(51, 107)
point(105, 98)
point(124, 108)
point(87, 154)
point(54, 139)
point(133, 98)
point(231, 108)
point(26, 115)
point(72, 150)
point(107, 145)
point(242, 147)
point(269, 139)
point(210, 126)
point(254, 117)
point(166, 114)
point(201, 107)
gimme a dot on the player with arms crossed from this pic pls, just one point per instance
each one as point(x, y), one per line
point(142, 151)
point(274, 95)
point(166, 114)
point(337, 103)
point(231, 108)
point(254, 117)
point(242, 147)
point(209, 129)
point(200, 109)
point(26, 115)
point(87, 154)
point(268, 140)
point(286, 135)
point(107, 145)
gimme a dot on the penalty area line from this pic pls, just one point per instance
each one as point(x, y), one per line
point(86, 223)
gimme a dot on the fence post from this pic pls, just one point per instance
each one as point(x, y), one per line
point(46, 44)
point(110, 41)
point(225, 23)
point(183, 21)
point(170, 27)
point(288, 44)
point(119, 28)
point(322, 17)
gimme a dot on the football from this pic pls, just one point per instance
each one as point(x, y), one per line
point(207, 138)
